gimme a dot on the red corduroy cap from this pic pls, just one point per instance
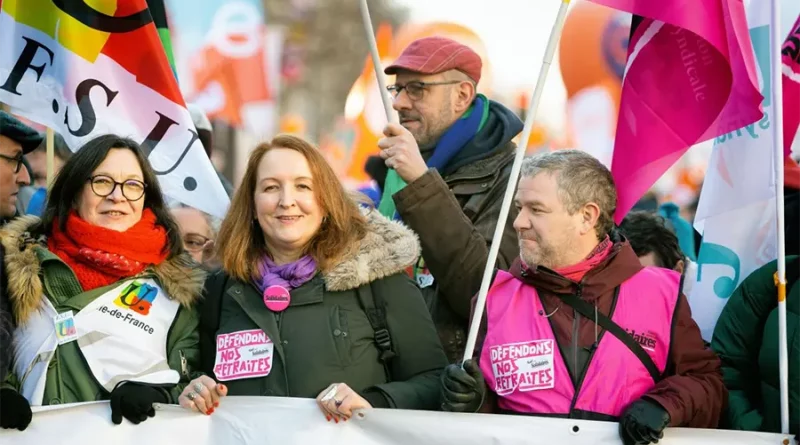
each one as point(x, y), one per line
point(434, 55)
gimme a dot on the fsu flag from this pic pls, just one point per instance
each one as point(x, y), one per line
point(690, 77)
point(91, 69)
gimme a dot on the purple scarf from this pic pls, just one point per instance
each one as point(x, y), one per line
point(290, 276)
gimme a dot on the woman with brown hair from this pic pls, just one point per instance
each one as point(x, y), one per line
point(312, 299)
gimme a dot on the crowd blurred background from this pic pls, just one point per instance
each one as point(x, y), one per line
point(255, 68)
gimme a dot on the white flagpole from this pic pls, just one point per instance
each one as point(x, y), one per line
point(376, 63)
point(555, 35)
point(776, 41)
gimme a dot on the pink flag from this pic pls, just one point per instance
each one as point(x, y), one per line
point(690, 77)
point(791, 86)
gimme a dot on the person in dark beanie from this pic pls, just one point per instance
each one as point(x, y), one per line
point(450, 159)
point(16, 139)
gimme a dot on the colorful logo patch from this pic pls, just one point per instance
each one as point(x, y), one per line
point(65, 328)
point(137, 297)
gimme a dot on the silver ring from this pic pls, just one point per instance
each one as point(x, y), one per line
point(331, 394)
point(338, 403)
point(198, 387)
point(191, 396)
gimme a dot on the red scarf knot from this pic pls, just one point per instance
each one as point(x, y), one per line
point(100, 257)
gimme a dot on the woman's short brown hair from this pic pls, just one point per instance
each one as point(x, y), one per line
point(241, 241)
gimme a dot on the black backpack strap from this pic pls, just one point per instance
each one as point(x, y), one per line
point(588, 311)
point(375, 308)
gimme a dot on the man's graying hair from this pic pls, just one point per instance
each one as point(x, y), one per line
point(581, 179)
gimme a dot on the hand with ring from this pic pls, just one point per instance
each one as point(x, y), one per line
point(338, 401)
point(202, 395)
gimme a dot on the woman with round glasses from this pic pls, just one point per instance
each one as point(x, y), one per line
point(101, 290)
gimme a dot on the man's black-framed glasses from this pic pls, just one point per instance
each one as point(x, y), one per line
point(103, 186)
point(416, 89)
point(17, 159)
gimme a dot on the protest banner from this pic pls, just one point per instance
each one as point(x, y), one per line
point(287, 421)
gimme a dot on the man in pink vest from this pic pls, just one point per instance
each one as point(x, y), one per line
point(578, 328)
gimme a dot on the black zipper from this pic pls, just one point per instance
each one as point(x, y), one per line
point(184, 365)
point(576, 325)
point(591, 354)
point(585, 367)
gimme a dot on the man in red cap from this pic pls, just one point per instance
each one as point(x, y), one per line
point(451, 159)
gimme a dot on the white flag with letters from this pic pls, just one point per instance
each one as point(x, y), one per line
point(86, 72)
point(736, 213)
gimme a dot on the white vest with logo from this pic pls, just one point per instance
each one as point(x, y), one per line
point(122, 335)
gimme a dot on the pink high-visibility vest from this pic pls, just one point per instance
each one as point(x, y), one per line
point(522, 364)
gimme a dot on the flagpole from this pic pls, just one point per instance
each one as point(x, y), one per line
point(530, 117)
point(776, 41)
point(376, 63)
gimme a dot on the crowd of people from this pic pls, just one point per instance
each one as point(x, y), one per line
point(306, 289)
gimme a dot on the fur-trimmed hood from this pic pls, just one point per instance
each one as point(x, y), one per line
point(388, 248)
point(181, 278)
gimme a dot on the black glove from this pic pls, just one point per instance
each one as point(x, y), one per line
point(134, 401)
point(462, 389)
point(643, 423)
point(15, 411)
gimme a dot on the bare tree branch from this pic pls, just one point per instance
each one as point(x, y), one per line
point(335, 49)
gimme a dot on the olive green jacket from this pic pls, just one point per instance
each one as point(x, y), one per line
point(325, 337)
point(35, 273)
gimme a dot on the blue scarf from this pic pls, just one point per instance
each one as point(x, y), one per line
point(451, 142)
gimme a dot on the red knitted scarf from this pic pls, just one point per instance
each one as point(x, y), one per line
point(101, 256)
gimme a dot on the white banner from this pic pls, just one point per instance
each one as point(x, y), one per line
point(285, 421)
point(105, 77)
point(736, 213)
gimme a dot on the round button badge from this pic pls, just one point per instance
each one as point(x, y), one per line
point(277, 298)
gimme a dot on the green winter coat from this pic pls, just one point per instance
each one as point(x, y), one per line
point(325, 337)
point(33, 270)
point(746, 339)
